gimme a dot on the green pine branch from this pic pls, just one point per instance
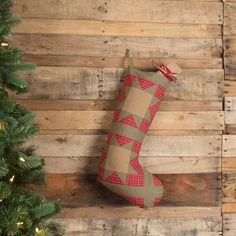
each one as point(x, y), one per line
point(3, 168)
point(23, 211)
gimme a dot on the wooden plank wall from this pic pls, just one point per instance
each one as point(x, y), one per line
point(229, 138)
point(79, 47)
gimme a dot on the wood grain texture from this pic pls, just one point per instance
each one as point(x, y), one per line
point(90, 145)
point(230, 104)
point(140, 226)
point(229, 164)
point(229, 146)
point(126, 10)
point(118, 62)
point(229, 19)
point(230, 129)
point(131, 211)
point(74, 45)
point(116, 28)
point(230, 43)
point(180, 190)
point(229, 188)
point(228, 207)
point(154, 164)
point(229, 224)
point(98, 83)
point(230, 115)
point(96, 120)
point(108, 105)
point(230, 69)
point(230, 88)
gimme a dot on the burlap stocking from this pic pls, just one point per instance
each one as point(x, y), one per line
point(139, 98)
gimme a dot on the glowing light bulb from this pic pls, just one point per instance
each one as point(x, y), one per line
point(22, 159)
point(12, 178)
point(19, 223)
point(4, 44)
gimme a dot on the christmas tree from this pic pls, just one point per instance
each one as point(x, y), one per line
point(23, 211)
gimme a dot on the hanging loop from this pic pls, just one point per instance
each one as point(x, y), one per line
point(127, 55)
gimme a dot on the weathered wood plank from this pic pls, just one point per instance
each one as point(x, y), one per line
point(90, 145)
point(230, 117)
point(108, 105)
point(228, 182)
point(229, 18)
point(229, 164)
point(107, 212)
point(111, 46)
point(230, 129)
point(53, 120)
point(173, 226)
point(230, 43)
point(118, 62)
point(157, 165)
point(229, 88)
point(230, 69)
point(230, 103)
point(229, 61)
point(229, 207)
point(112, 28)
point(126, 10)
point(229, 228)
point(95, 83)
point(161, 132)
point(229, 146)
point(180, 190)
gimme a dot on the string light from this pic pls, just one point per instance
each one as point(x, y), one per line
point(1, 200)
point(19, 223)
point(2, 125)
point(22, 159)
point(38, 231)
point(12, 178)
point(4, 44)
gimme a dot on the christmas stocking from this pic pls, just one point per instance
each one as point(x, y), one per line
point(139, 99)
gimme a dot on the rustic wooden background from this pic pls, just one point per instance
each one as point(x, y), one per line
point(79, 47)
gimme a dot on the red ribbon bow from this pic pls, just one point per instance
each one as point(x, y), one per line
point(171, 76)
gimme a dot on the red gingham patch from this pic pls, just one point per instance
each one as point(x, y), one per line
point(109, 138)
point(137, 167)
point(103, 155)
point(116, 115)
point(160, 91)
point(156, 201)
point(136, 146)
point(137, 200)
point(144, 126)
point(114, 178)
point(122, 140)
point(128, 80)
point(156, 181)
point(100, 173)
point(135, 180)
point(121, 96)
point(154, 108)
point(144, 84)
point(129, 120)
